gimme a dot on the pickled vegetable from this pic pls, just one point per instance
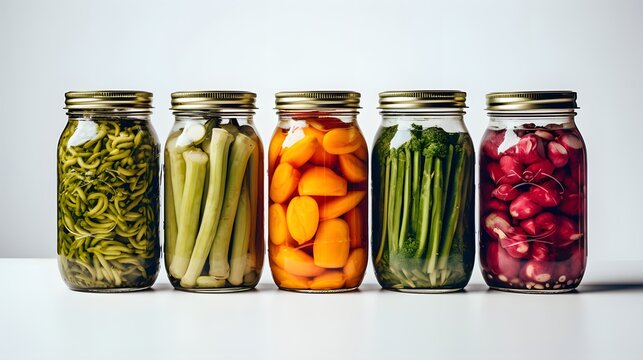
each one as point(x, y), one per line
point(108, 204)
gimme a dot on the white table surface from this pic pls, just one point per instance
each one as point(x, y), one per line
point(41, 319)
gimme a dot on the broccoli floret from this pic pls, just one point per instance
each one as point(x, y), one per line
point(409, 247)
point(435, 141)
point(383, 144)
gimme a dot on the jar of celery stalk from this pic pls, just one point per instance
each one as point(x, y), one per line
point(318, 174)
point(423, 192)
point(213, 193)
point(108, 192)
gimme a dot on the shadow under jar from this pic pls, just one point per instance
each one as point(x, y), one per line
point(213, 193)
point(423, 193)
point(108, 192)
point(533, 207)
point(318, 174)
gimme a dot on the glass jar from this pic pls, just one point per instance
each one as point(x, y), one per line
point(533, 207)
point(108, 192)
point(423, 192)
point(318, 174)
point(213, 193)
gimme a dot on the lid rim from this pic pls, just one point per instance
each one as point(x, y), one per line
point(317, 99)
point(204, 100)
point(108, 99)
point(531, 100)
point(422, 99)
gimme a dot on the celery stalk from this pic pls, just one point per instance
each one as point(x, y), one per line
point(241, 235)
point(171, 230)
point(241, 150)
point(254, 173)
point(219, 148)
point(177, 171)
point(196, 165)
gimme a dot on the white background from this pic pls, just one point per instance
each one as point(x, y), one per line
point(49, 47)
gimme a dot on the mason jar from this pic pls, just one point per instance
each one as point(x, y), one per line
point(423, 192)
point(108, 192)
point(318, 208)
point(533, 193)
point(213, 176)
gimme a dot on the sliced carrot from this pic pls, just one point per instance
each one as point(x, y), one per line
point(277, 225)
point(354, 219)
point(330, 280)
point(353, 168)
point(362, 151)
point(342, 140)
point(338, 206)
point(300, 152)
point(284, 182)
point(320, 157)
point(287, 280)
point(275, 148)
point(295, 261)
point(332, 244)
point(355, 267)
point(302, 218)
point(322, 181)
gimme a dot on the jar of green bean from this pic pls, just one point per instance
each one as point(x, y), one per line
point(213, 174)
point(108, 192)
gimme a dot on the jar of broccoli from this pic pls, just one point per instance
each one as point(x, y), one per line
point(213, 193)
point(108, 192)
point(423, 193)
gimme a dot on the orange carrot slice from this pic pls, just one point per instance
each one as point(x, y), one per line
point(354, 219)
point(284, 182)
point(302, 218)
point(335, 207)
point(342, 141)
point(353, 168)
point(322, 181)
point(362, 151)
point(320, 157)
point(275, 148)
point(330, 280)
point(287, 280)
point(355, 267)
point(332, 244)
point(295, 262)
point(277, 225)
point(300, 152)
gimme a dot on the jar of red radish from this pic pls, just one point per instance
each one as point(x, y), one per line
point(533, 194)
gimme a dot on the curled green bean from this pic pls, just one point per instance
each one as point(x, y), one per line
point(108, 205)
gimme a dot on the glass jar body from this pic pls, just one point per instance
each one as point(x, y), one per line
point(108, 202)
point(533, 207)
point(423, 202)
point(213, 202)
point(318, 214)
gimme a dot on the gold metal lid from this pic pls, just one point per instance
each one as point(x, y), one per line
point(531, 100)
point(421, 99)
point(125, 100)
point(213, 100)
point(311, 100)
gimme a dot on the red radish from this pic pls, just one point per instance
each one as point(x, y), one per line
point(567, 232)
point(557, 154)
point(540, 251)
point(547, 195)
point(498, 205)
point(570, 185)
point(570, 142)
point(544, 134)
point(560, 175)
point(529, 226)
point(495, 172)
point(538, 271)
point(515, 243)
point(523, 207)
point(546, 223)
point(530, 149)
point(572, 268)
point(500, 263)
point(575, 171)
point(492, 143)
point(505, 192)
point(539, 171)
point(571, 204)
point(512, 169)
point(498, 224)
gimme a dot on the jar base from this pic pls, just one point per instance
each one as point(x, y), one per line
point(425, 291)
point(311, 291)
point(533, 291)
point(111, 290)
point(215, 290)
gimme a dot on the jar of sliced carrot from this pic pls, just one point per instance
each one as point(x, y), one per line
point(213, 193)
point(318, 174)
point(423, 198)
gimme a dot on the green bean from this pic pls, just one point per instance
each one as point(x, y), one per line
point(108, 195)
